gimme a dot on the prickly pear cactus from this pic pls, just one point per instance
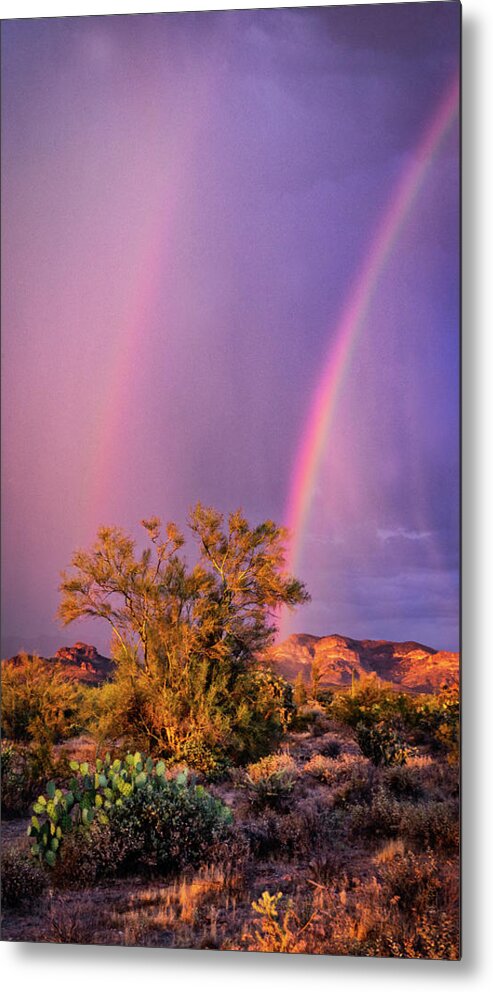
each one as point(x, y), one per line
point(90, 796)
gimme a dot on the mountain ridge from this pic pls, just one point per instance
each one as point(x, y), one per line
point(407, 665)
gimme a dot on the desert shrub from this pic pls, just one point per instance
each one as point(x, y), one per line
point(370, 701)
point(38, 701)
point(122, 812)
point(329, 748)
point(186, 639)
point(413, 879)
point(438, 779)
point(170, 828)
point(378, 818)
point(273, 834)
point(210, 725)
point(312, 718)
point(355, 782)
point(403, 782)
point(270, 781)
point(23, 880)
point(275, 932)
point(321, 768)
point(380, 744)
point(24, 771)
point(390, 850)
point(437, 721)
point(434, 825)
point(324, 698)
point(197, 755)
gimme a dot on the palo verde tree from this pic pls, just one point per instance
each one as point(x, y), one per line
point(186, 637)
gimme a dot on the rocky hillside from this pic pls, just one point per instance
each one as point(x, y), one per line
point(408, 665)
point(81, 662)
point(84, 663)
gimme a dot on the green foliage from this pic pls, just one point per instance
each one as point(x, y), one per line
point(122, 810)
point(433, 720)
point(185, 639)
point(91, 795)
point(437, 721)
point(22, 880)
point(199, 757)
point(324, 698)
point(25, 768)
point(380, 744)
point(370, 701)
point(270, 781)
point(170, 828)
point(38, 701)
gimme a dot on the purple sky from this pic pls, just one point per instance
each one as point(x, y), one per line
point(187, 200)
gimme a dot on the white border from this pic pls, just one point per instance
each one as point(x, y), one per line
point(99, 967)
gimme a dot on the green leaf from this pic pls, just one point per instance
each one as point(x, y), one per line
point(160, 769)
point(84, 768)
point(50, 857)
point(74, 765)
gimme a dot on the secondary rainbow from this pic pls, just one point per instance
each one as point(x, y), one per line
point(313, 446)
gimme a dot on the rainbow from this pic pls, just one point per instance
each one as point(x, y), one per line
point(313, 446)
point(139, 308)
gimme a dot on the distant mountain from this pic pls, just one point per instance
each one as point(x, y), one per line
point(81, 662)
point(407, 665)
point(85, 664)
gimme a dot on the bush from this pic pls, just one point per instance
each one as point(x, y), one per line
point(433, 825)
point(330, 748)
point(38, 701)
point(380, 744)
point(123, 811)
point(22, 879)
point(170, 828)
point(403, 782)
point(437, 721)
point(24, 771)
point(271, 780)
point(371, 701)
point(198, 756)
point(321, 768)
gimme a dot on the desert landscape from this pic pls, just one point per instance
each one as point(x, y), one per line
point(230, 298)
point(326, 822)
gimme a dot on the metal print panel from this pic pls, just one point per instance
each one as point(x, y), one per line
point(230, 484)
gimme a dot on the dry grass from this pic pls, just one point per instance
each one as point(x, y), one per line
point(366, 861)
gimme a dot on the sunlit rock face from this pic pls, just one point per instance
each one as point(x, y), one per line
point(408, 664)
